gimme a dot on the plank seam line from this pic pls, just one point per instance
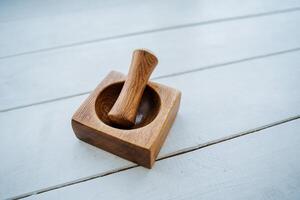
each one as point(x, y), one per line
point(168, 28)
point(180, 152)
point(161, 77)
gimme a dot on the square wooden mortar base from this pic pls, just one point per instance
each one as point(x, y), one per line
point(139, 145)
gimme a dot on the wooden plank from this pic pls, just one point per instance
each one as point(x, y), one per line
point(43, 151)
point(31, 9)
point(263, 165)
point(19, 10)
point(31, 26)
point(45, 76)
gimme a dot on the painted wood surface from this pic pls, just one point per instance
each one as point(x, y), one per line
point(262, 165)
point(43, 151)
point(32, 26)
point(243, 58)
point(66, 72)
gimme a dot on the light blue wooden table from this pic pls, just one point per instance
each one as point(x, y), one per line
point(237, 63)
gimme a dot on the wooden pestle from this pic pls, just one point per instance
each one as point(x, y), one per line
point(125, 109)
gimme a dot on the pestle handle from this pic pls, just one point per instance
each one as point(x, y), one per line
point(125, 108)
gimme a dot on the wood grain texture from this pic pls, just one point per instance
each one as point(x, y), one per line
point(140, 143)
point(262, 165)
point(212, 44)
point(125, 109)
point(46, 25)
point(227, 100)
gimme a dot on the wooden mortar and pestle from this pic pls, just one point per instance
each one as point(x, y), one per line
point(129, 117)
